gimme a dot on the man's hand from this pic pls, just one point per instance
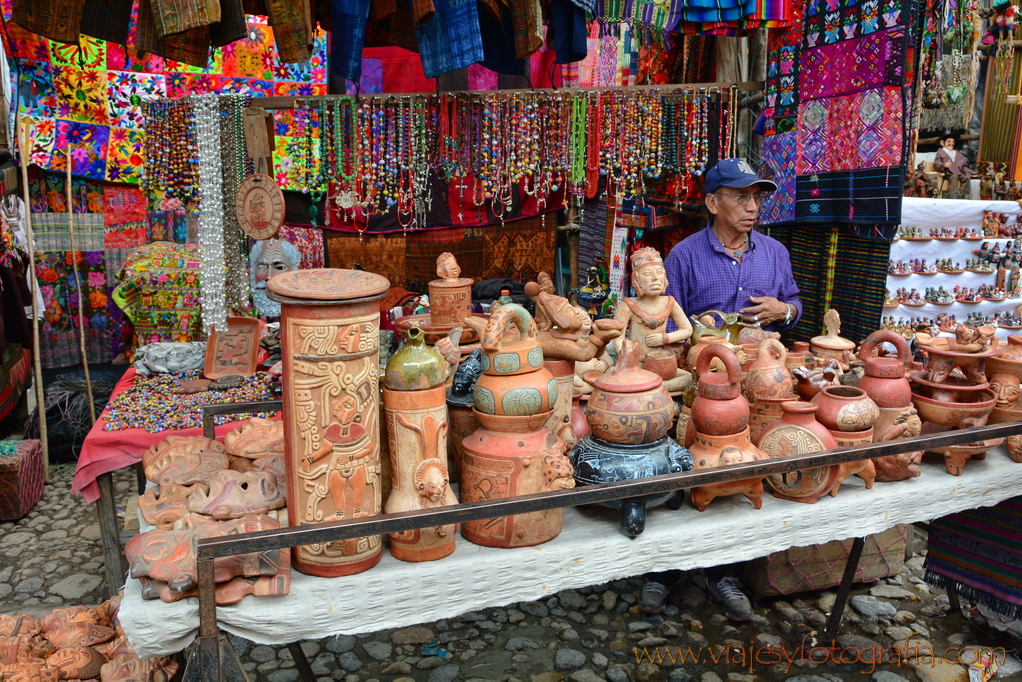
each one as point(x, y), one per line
point(765, 310)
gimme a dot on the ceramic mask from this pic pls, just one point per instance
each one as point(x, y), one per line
point(447, 266)
point(170, 357)
point(268, 258)
point(1006, 387)
point(77, 662)
point(17, 626)
point(233, 494)
point(183, 460)
point(257, 438)
point(132, 668)
point(167, 507)
point(36, 671)
point(432, 480)
point(22, 649)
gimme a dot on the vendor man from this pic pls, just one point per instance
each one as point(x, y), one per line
point(729, 267)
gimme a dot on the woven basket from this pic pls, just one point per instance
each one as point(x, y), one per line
point(818, 567)
point(21, 478)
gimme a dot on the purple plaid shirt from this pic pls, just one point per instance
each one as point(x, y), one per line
point(702, 276)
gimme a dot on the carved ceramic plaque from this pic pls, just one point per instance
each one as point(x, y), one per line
point(259, 205)
point(233, 352)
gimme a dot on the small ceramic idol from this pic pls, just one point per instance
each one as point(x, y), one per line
point(647, 313)
point(268, 258)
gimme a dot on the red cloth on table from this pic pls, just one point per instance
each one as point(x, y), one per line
point(106, 451)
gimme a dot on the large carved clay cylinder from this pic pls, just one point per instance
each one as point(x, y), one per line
point(514, 381)
point(417, 429)
point(330, 323)
point(884, 378)
point(719, 409)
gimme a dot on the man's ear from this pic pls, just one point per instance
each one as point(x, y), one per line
point(711, 203)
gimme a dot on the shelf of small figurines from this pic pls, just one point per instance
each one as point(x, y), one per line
point(945, 322)
point(911, 233)
point(941, 296)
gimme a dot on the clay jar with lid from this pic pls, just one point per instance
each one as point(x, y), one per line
point(797, 433)
point(514, 381)
point(719, 409)
point(845, 408)
point(767, 376)
point(884, 379)
point(629, 405)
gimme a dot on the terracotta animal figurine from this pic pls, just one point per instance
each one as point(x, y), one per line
point(809, 382)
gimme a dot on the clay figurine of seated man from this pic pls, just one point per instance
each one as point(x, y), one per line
point(953, 165)
point(648, 312)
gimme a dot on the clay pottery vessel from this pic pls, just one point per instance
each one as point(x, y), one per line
point(663, 363)
point(462, 423)
point(884, 379)
point(712, 451)
point(579, 424)
point(956, 414)
point(954, 389)
point(846, 408)
point(762, 415)
point(685, 435)
point(797, 433)
point(508, 462)
point(705, 341)
point(514, 381)
point(767, 377)
point(596, 461)
point(1004, 415)
point(329, 330)
point(719, 409)
point(809, 382)
point(1015, 448)
point(415, 366)
point(942, 361)
point(832, 344)
point(864, 469)
point(751, 353)
point(1008, 359)
point(629, 405)
point(956, 456)
point(417, 427)
point(560, 421)
point(799, 355)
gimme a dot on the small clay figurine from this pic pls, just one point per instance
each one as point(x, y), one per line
point(647, 313)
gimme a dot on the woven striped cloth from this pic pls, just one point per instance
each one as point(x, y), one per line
point(978, 555)
point(859, 275)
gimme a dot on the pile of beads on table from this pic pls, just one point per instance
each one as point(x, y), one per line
point(152, 405)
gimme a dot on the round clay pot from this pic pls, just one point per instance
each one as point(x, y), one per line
point(713, 451)
point(705, 341)
point(955, 389)
point(767, 377)
point(720, 408)
point(578, 418)
point(663, 363)
point(846, 408)
point(850, 439)
point(884, 379)
point(514, 381)
point(629, 405)
point(953, 413)
point(940, 363)
point(797, 433)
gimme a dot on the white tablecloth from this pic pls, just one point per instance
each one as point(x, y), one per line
point(590, 550)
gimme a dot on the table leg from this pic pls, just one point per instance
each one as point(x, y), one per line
point(301, 662)
point(113, 555)
point(834, 622)
point(954, 602)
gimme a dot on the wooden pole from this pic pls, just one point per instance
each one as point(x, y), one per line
point(78, 285)
point(24, 157)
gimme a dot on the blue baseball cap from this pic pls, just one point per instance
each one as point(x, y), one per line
point(735, 173)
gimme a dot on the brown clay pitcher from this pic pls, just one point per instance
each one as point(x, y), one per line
point(768, 377)
point(884, 378)
point(719, 409)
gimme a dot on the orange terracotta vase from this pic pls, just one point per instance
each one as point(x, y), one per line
point(514, 381)
point(330, 323)
point(799, 433)
point(767, 376)
point(629, 405)
point(712, 451)
point(884, 378)
point(719, 409)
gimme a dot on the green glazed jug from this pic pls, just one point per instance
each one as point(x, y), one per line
point(416, 366)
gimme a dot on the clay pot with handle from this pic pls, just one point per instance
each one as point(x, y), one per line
point(719, 409)
point(630, 405)
point(884, 378)
point(514, 381)
point(768, 377)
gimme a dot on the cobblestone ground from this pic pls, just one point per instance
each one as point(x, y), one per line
point(53, 557)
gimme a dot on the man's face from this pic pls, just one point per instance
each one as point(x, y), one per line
point(949, 143)
point(726, 205)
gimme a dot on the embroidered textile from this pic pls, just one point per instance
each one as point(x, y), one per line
point(89, 93)
point(519, 250)
point(177, 16)
point(778, 154)
point(123, 205)
point(309, 241)
point(291, 29)
point(977, 554)
point(383, 254)
point(57, 20)
point(450, 39)
point(870, 196)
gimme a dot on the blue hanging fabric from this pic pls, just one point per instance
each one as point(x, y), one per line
point(451, 38)
point(348, 27)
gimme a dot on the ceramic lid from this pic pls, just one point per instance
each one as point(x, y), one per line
point(328, 284)
point(832, 342)
point(451, 283)
point(627, 376)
